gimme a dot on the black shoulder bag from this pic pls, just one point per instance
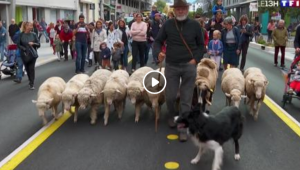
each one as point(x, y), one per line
point(29, 53)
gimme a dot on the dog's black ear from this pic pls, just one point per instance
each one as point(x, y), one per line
point(196, 110)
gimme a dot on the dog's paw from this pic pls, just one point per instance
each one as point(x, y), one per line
point(237, 157)
point(194, 161)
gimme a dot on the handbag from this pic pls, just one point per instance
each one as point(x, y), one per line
point(29, 53)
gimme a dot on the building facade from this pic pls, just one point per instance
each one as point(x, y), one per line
point(239, 8)
point(128, 7)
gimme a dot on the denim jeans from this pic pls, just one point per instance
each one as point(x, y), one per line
point(45, 34)
point(19, 74)
point(81, 49)
point(2, 46)
point(124, 56)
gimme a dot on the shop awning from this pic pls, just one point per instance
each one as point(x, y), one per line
point(109, 6)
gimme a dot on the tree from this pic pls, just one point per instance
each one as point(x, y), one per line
point(199, 11)
point(294, 13)
point(160, 5)
point(166, 9)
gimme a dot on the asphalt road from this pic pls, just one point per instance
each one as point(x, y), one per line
point(266, 144)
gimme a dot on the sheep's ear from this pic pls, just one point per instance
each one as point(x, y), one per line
point(228, 95)
point(50, 100)
point(118, 91)
point(244, 96)
point(59, 94)
point(266, 83)
point(34, 101)
point(93, 95)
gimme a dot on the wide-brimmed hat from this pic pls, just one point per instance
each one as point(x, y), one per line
point(180, 3)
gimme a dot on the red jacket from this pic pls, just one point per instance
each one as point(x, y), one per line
point(66, 36)
point(206, 38)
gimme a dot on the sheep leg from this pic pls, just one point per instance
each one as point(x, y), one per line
point(54, 113)
point(106, 114)
point(257, 109)
point(252, 109)
point(156, 117)
point(94, 113)
point(44, 119)
point(120, 108)
point(76, 114)
point(137, 111)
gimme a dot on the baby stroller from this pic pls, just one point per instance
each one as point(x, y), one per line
point(9, 66)
point(288, 76)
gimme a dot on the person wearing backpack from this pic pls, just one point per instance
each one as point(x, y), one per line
point(15, 39)
point(245, 36)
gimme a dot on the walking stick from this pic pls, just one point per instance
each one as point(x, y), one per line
point(156, 109)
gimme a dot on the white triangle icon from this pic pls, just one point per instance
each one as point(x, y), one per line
point(154, 82)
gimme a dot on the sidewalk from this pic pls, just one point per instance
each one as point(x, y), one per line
point(289, 50)
point(45, 56)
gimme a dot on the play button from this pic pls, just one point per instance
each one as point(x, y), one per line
point(154, 82)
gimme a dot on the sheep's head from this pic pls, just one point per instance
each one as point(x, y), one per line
point(43, 105)
point(111, 94)
point(85, 98)
point(68, 99)
point(134, 91)
point(259, 86)
point(236, 97)
point(202, 84)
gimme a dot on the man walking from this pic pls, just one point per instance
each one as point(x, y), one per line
point(181, 59)
point(43, 30)
point(13, 28)
point(2, 40)
point(81, 35)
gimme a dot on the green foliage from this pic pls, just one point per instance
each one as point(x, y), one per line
point(199, 11)
point(191, 14)
point(261, 41)
point(160, 5)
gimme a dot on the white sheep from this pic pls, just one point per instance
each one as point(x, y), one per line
point(69, 95)
point(47, 97)
point(115, 93)
point(256, 85)
point(206, 80)
point(233, 85)
point(91, 94)
point(155, 101)
point(135, 89)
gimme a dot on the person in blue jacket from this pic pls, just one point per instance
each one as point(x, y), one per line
point(216, 8)
point(15, 38)
point(2, 40)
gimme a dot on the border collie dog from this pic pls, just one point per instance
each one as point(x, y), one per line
point(211, 132)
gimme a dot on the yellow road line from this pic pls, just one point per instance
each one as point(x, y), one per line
point(34, 144)
point(283, 115)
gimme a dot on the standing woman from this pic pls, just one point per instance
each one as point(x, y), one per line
point(171, 15)
point(28, 39)
point(91, 28)
point(124, 32)
point(139, 36)
point(150, 41)
point(257, 30)
point(98, 36)
point(246, 33)
point(113, 36)
point(51, 33)
point(280, 37)
point(231, 43)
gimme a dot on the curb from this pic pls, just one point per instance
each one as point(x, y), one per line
point(270, 50)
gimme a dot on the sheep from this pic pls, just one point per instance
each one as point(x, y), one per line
point(47, 97)
point(155, 101)
point(256, 84)
point(206, 80)
point(115, 91)
point(69, 95)
point(135, 89)
point(233, 85)
point(91, 94)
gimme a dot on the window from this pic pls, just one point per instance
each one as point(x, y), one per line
point(119, 1)
point(81, 7)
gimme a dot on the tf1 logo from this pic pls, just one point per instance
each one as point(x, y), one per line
point(276, 3)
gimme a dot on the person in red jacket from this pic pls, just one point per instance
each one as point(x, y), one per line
point(66, 36)
point(206, 37)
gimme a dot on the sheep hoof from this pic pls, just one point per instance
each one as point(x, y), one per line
point(255, 117)
point(105, 123)
point(75, 120)
point(237, 157)
point(136, 120)
point(45, 123)
point(93, 122)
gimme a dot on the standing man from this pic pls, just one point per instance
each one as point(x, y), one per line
point(280, 37)
point(180, 63)
point(2, 40)
point(13, 28)
point(156, 25)
point(81, 35)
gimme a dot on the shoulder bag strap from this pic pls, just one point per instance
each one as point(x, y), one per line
point(183, 40)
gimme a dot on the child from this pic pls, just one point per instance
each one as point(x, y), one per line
point(58, 46)
point(105, 55)
point(216, 8)
point(295, 84)
point(215, 48)
point(116, 55)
